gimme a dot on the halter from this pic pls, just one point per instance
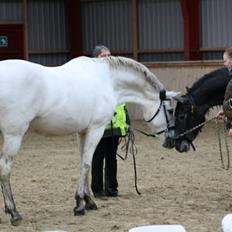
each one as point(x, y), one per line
point(193, 107)
point(163, 98)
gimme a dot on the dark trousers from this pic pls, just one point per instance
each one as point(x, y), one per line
point(106, 149)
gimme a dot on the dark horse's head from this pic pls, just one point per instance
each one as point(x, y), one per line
point(192, 107)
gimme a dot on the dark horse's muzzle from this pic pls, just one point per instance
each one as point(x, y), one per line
point(182, 145)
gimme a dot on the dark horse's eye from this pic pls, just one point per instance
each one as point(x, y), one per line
point(181, 117)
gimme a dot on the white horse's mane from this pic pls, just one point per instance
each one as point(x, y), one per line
point(118, 61)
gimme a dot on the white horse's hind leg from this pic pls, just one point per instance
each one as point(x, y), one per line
point(88, 143)
point(89, 203)
point(11, 147)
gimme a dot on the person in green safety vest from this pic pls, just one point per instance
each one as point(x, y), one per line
point(107, 147)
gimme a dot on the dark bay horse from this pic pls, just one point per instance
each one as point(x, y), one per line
point(192, 107)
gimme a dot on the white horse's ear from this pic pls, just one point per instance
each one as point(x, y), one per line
point(172, 94)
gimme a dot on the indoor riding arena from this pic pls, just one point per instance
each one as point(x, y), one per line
point(179, 41)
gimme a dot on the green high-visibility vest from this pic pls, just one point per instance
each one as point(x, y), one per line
point(119, 120)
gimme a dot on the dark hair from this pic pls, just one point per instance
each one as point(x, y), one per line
point(228, 51)
point(97, 50)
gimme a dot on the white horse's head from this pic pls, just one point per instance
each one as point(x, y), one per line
point(135, 83)
point(160, 117)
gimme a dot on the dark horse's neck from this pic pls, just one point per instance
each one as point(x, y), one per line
point(209, 90)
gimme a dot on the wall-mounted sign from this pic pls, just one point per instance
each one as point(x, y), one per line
point(3, 41)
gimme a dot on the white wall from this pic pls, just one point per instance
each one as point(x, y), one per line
point(176, 76)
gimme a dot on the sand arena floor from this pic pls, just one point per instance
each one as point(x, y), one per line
point(190, 189)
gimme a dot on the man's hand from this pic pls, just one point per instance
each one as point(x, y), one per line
point(230, 132)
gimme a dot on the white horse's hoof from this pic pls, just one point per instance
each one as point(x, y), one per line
point(78, 212)
point(16, 221)
point(91, 206)
point(89, 203)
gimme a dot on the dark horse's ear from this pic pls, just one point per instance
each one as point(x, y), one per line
point(187, 89)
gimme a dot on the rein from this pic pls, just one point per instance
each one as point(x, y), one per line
point(157, 111)
point(163, 98)
point(130, 146)
point(226, 167)
point(194, 128)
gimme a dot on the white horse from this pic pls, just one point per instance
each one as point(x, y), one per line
point(79, 96)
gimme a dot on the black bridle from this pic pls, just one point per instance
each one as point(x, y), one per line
point(163, 98)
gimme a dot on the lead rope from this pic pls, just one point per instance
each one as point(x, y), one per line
point(219, 141)
point(196, 127)
point(130, 147)
point(226, 167)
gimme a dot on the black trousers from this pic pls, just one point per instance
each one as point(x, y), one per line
point(106, 149)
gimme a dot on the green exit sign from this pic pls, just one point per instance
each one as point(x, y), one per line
point(3, 41)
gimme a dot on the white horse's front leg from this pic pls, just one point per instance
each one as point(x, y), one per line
point(88, 144)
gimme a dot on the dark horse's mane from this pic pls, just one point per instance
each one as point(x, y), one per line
point(209, 90)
